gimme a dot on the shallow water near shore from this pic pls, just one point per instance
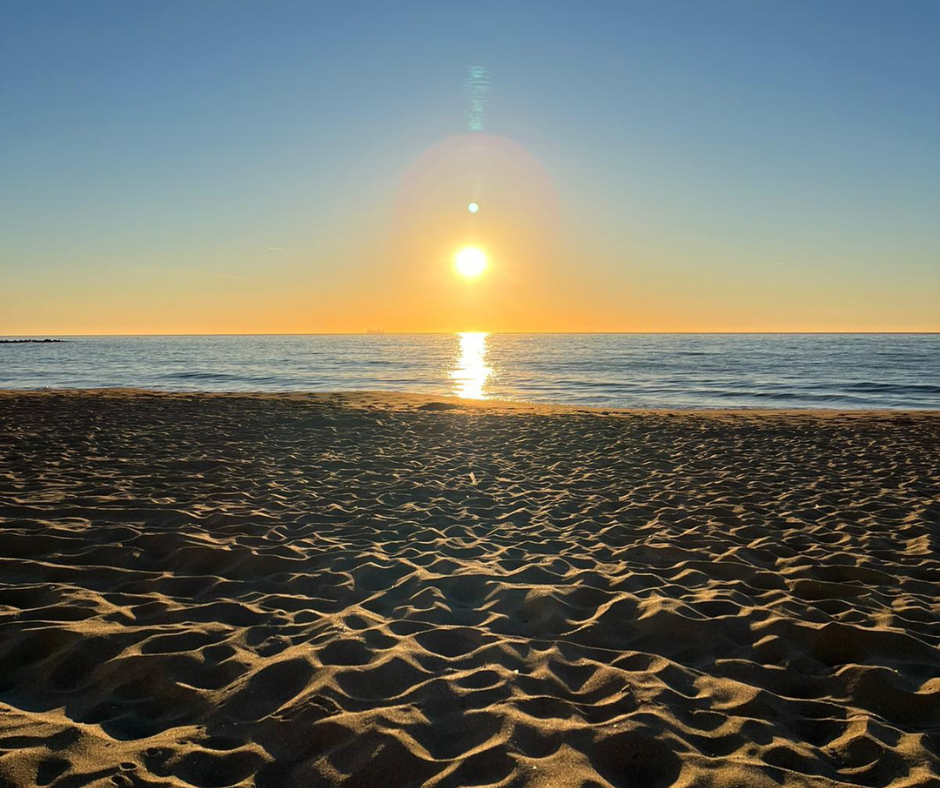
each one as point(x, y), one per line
point(608, 370)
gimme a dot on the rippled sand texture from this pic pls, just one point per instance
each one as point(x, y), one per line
point(389, 591)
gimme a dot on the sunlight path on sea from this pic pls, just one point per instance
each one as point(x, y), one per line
point(471, 371)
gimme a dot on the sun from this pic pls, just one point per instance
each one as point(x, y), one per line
point(470, 262)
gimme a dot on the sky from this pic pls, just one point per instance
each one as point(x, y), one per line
point(301, 167)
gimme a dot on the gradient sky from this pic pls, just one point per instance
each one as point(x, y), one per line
point(241, 167)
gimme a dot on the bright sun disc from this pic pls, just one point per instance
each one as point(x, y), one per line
point(470, 262)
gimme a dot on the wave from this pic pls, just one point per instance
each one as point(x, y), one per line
point(860, 371)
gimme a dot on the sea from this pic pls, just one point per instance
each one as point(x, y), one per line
point(606, 370)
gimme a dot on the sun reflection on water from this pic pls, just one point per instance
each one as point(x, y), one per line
point(470, 370)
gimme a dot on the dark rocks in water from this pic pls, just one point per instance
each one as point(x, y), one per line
point(28, 341)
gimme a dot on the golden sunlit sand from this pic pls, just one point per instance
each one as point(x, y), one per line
point(396, 590)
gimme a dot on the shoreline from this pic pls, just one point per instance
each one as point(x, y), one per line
point(395, 400)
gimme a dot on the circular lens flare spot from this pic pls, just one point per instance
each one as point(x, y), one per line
point(473, 207)
point(470, 262)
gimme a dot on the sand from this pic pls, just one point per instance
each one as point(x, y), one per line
point(392, 590)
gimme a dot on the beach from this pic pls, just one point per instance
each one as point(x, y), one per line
point(405, 590)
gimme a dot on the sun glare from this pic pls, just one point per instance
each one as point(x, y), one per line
point(471, 371)
point(470, 262)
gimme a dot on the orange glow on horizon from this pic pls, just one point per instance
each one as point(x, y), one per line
point(393, 269)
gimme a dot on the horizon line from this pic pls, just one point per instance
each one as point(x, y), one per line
point(373, 333)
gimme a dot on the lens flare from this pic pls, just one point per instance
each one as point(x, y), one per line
point(477, 88)
point(470, 262)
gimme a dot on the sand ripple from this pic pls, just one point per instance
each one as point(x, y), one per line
point(381, 591)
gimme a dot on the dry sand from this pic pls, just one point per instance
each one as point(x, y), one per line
point(382, 590)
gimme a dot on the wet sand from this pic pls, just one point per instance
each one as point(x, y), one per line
point(393, 590)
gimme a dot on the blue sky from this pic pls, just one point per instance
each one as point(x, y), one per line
point(771, 161)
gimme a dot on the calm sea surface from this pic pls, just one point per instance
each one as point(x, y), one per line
point(616, 370)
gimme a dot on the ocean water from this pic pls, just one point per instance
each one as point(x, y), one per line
point(611, 370)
